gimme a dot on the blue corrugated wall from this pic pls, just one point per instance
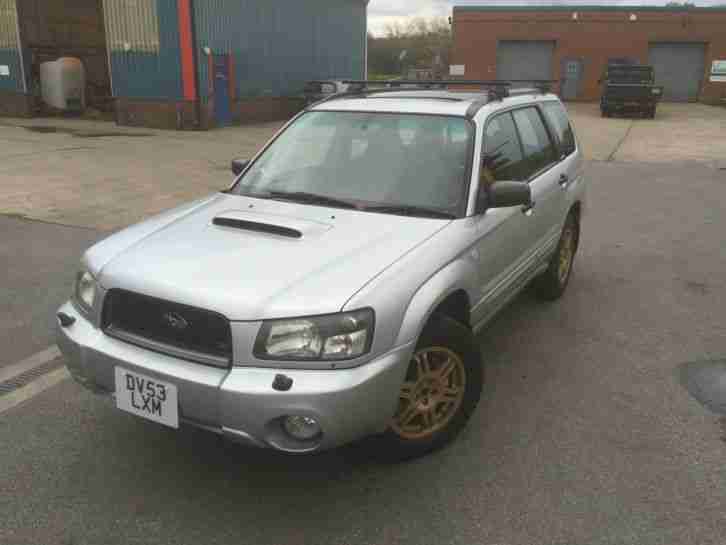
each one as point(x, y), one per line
point(139, 74)
point(280, 44)
point(9, 56)
point(14, 82)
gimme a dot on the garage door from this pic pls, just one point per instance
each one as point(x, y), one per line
point(524, 60)
point(679, 68)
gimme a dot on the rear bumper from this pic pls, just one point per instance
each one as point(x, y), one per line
point(240, 403)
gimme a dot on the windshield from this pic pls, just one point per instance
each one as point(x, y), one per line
point(370, 161)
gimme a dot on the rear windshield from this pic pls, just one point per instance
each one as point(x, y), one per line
point(369, 159)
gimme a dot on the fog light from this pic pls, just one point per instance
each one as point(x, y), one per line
point(301, 428)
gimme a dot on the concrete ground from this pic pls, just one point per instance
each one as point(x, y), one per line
point(679, 133)
point(105, 177)
point(583, 435)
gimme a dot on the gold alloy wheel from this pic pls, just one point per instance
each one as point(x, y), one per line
point(431, 394)
point(567, 252)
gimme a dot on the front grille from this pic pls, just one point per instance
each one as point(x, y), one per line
point(171, 328)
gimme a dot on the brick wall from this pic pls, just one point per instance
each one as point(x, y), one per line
point(159, 114)
point(595, 36)
point(15, 105)
point(181, 115)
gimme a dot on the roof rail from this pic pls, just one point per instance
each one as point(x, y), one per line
point(495, 89)
point(377, 85)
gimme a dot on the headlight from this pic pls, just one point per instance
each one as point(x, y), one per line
point(85, 290)
point(334, 337)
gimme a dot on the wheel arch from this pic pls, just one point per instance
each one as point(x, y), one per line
point(448, 292)
point(576, 211)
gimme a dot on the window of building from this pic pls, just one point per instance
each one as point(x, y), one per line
point(8, 25)
point(132, 25)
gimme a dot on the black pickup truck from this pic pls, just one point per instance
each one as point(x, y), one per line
point(629, 88)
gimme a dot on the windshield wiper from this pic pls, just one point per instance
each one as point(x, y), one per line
point(407, 210)
point(310, 198)
point(254, 194)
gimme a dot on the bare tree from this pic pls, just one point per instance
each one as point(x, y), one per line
point(420, 43)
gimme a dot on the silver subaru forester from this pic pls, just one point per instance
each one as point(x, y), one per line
point(334, 290)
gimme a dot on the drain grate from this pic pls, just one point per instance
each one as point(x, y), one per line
point(26, 378)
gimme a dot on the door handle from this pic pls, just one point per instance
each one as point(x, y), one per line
point(564, 181)
point(528, 209)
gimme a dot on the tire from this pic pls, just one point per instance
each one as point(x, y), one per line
point(551, 284)
point(447, 346)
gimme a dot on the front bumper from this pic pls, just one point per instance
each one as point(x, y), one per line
point(240, 402)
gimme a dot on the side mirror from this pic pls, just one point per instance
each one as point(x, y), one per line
point(506, 194)
point(238, 165)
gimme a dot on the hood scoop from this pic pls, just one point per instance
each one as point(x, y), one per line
point(281, 225)
point(257, 226)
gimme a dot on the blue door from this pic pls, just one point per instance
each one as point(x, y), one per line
point(222, 106)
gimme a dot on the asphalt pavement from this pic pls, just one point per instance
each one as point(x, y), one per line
point(37, 261)
point(584, 433)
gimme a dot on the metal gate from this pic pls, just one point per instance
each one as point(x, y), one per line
point(679, 68)
point(525, 60)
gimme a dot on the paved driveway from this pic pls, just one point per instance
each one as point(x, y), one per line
point(84, 178)
point(583, 434)
point(679, 133)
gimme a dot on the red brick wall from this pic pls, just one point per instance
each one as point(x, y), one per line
point(159, 114)
point(15, 105)
point(254, 110)
point(595, 37)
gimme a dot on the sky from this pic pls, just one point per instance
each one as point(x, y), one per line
point(383, 12)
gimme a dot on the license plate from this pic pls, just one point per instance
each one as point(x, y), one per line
point(147, 397)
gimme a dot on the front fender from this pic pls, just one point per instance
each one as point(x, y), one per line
point(458, 275)
point(405, 294)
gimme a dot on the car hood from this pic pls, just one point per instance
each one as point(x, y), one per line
point(252, 259)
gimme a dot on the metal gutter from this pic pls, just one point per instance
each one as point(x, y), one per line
point(611, 8)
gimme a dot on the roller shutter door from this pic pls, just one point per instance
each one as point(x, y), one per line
point(679, 68)
point(525, 60)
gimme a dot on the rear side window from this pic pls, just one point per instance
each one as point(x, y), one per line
point(539, 150)
point(560, 123)
point(502, 151)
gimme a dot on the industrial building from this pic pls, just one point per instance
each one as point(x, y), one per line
point(573, 44)
point(181, 63)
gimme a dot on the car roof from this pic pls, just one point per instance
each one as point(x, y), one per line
point(436, 102)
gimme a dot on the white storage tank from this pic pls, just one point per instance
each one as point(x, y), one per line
point(63, 84)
